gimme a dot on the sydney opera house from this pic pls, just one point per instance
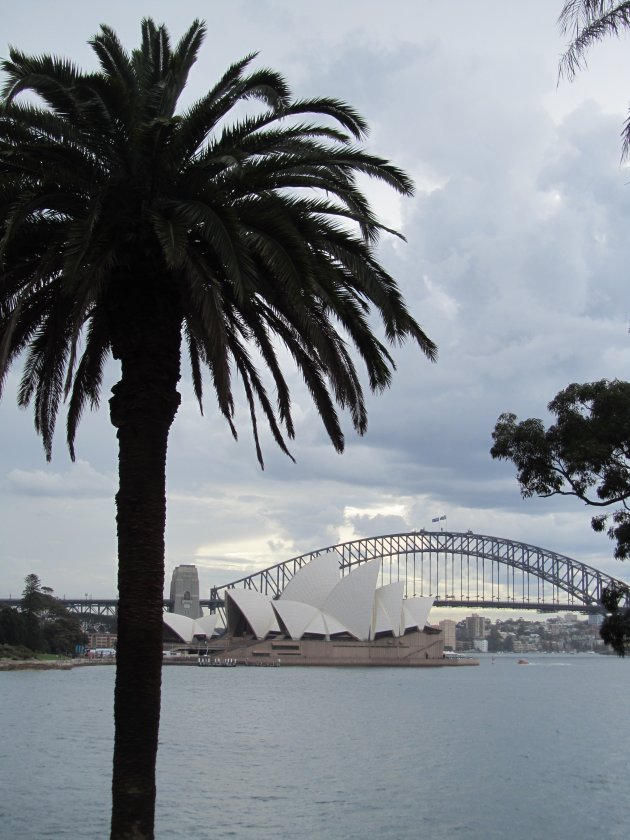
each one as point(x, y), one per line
point(321, 618)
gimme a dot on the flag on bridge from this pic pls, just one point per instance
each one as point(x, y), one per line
point(438, 519)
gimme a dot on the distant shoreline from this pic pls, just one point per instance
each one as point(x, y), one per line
point(79, 662)
point(50, 664)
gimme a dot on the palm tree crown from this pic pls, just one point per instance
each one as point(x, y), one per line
point(250, 234)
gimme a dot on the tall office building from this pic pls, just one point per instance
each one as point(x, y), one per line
point(447, 626)
point(185, 591)
point(476, 627)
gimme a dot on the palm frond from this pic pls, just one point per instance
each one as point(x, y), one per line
point(340, 111)
point(588, 21)
point(44, 371)
point(204, 115)
point(248, 234)
point(53, 79)
point(115, 61)
point(254, 388)
point(88, 378)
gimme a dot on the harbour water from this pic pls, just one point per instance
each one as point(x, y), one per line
point(499, 751)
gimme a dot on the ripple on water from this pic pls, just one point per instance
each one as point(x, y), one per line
point(333, 753)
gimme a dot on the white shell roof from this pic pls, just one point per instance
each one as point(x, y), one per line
point(415, 612)
point(207, 623)
point(180, 624)
point(317, 601)
point(187, 628)
point(256, 608)
point(351, 601)
point(325, 625)
point(319, 626)
point(295, 616)
point(388, 608)
point(314, 582)
point(331, 624)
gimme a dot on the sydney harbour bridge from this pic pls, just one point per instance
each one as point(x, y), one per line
point(458, 569)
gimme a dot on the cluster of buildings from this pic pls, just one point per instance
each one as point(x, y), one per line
point(317, 605)
point(569, 633)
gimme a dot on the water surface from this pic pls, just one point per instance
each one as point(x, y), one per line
point(499, 751)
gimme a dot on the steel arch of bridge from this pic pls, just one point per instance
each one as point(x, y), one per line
point(459, 570)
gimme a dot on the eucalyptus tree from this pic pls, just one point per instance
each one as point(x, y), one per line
point(132, 230)
point(584, 453)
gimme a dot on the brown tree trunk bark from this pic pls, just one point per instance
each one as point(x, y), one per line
point(143, 406)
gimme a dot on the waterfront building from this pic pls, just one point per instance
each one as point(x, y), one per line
point(317, 603)
point(524, 647)
point(476, 627)
point(448, 628)
point(102, 640)
point(322, 619)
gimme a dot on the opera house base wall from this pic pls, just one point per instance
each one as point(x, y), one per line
point(417, 649)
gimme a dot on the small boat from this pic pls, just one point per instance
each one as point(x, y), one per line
point(523, 662)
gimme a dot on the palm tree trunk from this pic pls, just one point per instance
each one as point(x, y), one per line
point(143, 406)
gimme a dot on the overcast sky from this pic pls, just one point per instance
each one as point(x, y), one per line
point(516, 265)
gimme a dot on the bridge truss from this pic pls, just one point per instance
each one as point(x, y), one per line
point(458, 570)
point(90, 610)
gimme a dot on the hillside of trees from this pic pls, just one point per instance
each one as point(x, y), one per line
point(41, 624)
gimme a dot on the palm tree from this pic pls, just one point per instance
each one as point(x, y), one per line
point(128, 229)
point(587, 21)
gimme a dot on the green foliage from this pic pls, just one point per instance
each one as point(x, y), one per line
point(495, 642)
point(63, 633)
point(42, 624)
point(34, 599)
point(615, 630)
point(15, 652)
point(12, 627)
point(585, 453)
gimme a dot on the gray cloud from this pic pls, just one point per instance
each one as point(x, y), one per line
point(515, 264)
point(81, 481)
